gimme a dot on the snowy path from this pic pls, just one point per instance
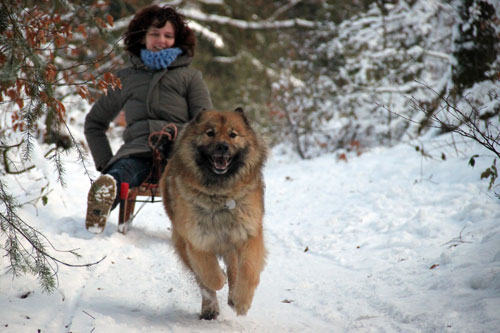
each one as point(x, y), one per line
point(351, 246)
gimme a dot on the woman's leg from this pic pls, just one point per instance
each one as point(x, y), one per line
point(131, 170)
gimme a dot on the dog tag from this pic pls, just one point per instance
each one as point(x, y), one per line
point(230, 203)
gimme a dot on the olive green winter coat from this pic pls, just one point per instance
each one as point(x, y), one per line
point(150, 99)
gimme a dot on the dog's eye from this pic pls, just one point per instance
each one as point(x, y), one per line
point(210, 133)
point(233, 135)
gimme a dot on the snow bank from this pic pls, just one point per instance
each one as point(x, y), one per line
point(386, 241)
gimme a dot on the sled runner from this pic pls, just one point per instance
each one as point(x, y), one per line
point(161, 142)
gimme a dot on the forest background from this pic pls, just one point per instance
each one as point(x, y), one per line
point(314, 76)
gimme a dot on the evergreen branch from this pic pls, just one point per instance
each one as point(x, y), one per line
point(29, 229)
point(81, 154)
point(35, 259)
point(39, 248)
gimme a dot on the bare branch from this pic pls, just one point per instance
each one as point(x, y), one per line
point(282, 9)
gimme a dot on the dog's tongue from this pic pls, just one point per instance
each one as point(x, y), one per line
point(221, 162)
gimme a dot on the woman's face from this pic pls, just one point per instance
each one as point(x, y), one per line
point(157, 39)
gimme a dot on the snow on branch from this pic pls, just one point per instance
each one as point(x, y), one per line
point(215, 38)
point(200, 16)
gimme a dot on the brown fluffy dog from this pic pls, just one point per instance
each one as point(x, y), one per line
point(213, 192)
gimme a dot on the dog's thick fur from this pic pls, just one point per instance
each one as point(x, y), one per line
point(213, 192)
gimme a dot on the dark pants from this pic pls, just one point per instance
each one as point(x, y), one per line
point(131, 170)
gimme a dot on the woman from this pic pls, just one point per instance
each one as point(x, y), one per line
point(158, 88)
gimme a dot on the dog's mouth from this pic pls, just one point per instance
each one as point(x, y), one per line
point(221, 163)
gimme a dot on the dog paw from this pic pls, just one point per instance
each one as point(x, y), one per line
point(240, 307)
point(209, 315)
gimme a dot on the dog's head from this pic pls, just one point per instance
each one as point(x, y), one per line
point(222, 141)
point(219, 148)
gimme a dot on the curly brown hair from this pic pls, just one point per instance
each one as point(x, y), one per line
point(157, 16)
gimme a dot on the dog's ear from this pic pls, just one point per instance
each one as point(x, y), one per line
point(239, 109)
point(199, 115)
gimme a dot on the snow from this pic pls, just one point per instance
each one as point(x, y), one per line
point(383, 242)
point(387, 241)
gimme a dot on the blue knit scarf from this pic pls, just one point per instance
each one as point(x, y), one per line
point(160, 59)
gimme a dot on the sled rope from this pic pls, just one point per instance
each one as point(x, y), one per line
point(168, 132)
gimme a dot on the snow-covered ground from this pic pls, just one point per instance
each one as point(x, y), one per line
point(385, 242)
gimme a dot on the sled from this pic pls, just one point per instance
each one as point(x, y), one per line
point(150, 187)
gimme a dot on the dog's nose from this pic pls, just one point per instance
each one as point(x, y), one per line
point(222, 148)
